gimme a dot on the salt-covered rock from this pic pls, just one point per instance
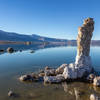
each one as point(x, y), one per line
point(32, 77)
point(96, 81)
point(50, 72)
point(26, 78)
point(54, 79)
point(60, 69)
point(10, 50)
point(91, 77)
point(41, 74)
point(70, 72)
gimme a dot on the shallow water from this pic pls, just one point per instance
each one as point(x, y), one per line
point(15, 64)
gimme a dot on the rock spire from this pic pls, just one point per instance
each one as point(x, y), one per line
point(82, 65)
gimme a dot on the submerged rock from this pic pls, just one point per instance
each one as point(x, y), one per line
point(96, 81)
point(54, 79)
point(94, 97)
point(30, 78)
point(11, 94)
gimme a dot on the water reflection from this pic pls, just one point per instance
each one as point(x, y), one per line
point(23, 47)
point(81, 91)
point(23, 62)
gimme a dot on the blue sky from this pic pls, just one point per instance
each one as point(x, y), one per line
point(52, 18)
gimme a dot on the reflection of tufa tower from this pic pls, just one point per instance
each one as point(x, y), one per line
point(84, 40)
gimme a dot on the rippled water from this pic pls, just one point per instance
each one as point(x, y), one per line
point(15, 64)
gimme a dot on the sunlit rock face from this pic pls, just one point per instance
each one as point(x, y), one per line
point(84, 37)
point(82, 65)
point(83, 42)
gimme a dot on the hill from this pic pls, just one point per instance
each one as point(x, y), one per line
point(15, 37)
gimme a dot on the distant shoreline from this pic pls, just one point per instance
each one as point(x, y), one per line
point(68, 43)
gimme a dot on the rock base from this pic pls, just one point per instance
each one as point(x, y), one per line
point(81, 68)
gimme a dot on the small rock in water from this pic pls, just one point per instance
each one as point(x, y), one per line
point(94, 97)
point(32, 51)
point(10, 50)
point(1, 50)
point(11, 94)
point(96, 81)
point(91, 77)
point(35, 76)
point(20, 50)
point(31, 78)
point(26, 78)
point(56, 88)
point(47, 68)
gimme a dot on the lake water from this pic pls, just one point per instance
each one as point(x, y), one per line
point(12, 65)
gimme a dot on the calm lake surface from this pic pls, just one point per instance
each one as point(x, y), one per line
point(12, 65)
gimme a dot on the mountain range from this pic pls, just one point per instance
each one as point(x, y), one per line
point(11, 36)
